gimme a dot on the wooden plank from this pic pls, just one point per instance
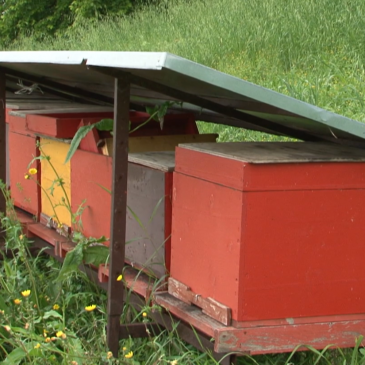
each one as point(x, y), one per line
point(280, 152)
point(163, 161)
point(159, 143)
point(210, 307)
point(134, 280)
point(46, 234)
point(188, 313)
point(275, 339)
point(191, 335)
point(118, 211)
point(58, 109)
point(2, 139)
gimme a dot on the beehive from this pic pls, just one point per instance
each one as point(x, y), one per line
point(270, 230)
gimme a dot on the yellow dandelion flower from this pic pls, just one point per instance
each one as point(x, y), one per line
point(63, 336)
point(90, 308)
point(129, 355)
point(21, 237)
point(37, 346)
point(45, 333)
point(7, 328)
point(144, 314)
point(59, 334)
point(173, 362)
point(56, 307)
point(119, 278)
point(26, 293)
point(17, 301)
point(26, 177)
point(47, 340)
point(124, 348)
point(109, 355)
point(32, 171)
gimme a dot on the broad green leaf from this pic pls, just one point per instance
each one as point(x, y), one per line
point(105, 125)
point(15, 357)
point(96, 255)
point(72, 261)
point(79, 135)
point(53, 314)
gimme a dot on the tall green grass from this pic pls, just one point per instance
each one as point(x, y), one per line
point(311, 50)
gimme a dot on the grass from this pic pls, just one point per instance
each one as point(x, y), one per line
point(311, 50)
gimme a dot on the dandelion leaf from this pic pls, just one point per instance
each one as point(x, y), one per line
point(72, 261)
point(96, 255)
point(15, 357)
point(52, 313)
point(105, 125)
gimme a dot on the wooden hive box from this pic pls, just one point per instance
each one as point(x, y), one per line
point(149, 201)
point(21, 148)
point(270, 230)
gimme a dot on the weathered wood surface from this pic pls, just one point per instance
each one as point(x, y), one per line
point(51, 108)
point(286, 338)
point(280, 152)
point(210, 307)
point(163, 160)
point(2, 139)
point(188, 313)
point(118, 211)
point(159, 143)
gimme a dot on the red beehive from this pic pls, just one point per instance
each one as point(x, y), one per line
point(270, 230)
point(149, 201)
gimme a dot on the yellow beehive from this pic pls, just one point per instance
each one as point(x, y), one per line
point(53, 202)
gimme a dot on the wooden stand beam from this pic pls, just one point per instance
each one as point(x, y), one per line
point(2, 137)
point(119, 210)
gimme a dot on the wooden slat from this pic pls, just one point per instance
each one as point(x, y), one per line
point(59, 109)
point(159, 143)
point(280, 152)
point(2, 139)
point(188, 313)
point(275, 339)
point(46, 234)
point(163, 161)
point(210, 307)
point(119, 209)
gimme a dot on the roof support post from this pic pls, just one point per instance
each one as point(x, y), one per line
point(2, 137)
point(119, 208)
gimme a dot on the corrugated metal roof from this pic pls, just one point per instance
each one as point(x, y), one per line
point(157, 77)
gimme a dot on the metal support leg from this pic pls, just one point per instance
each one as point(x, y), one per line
point(2, 137)
point(119, 207)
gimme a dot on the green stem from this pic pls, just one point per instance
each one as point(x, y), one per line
point(144, 123)
point(49, 199)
